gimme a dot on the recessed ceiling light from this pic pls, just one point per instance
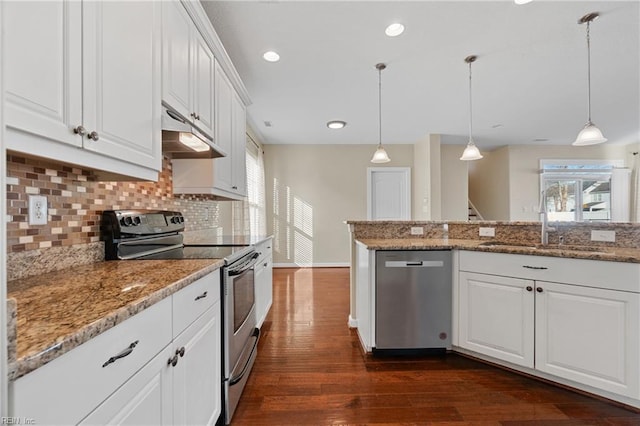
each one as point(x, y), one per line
point(522, 1)
point(271, 56)
point(394, 30)
point(336, 124)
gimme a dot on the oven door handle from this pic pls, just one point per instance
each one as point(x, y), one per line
point(248, 265)
point(236, 379)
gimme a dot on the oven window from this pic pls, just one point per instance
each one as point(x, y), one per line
point(243, 298)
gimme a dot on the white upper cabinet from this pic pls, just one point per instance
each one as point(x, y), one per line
point(225, 177)
point(188, 68)
point(85, 75)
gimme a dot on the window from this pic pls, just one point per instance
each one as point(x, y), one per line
point(581, 190)
point(256, 198)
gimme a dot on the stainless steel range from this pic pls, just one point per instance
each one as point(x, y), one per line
point(149, 235)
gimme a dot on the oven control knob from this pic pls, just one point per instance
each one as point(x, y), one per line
point(122, 222)
point(181, 219)
point(128, 221)
point(136, 221)
point(173, 219)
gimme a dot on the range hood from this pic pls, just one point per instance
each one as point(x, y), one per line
point(181, 139)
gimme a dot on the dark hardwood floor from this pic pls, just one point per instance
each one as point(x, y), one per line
point(310, 370)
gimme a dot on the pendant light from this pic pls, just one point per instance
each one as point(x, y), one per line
point(471, 152)
point(590, 134)
point(380, 156)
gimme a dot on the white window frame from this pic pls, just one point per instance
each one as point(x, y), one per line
point(580, 173)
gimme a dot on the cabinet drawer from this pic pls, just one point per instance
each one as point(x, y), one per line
point(592, 273)
point(193, 300)
point(68, 388)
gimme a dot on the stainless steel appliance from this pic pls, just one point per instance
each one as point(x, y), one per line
point(413, 301)
point(149, 235)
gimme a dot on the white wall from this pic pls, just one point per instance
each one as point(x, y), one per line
point(489, 184)
point(454, 189)
point(524, 172)
point(311, 190)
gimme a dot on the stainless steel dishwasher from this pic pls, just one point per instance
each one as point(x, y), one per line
point(413, 300)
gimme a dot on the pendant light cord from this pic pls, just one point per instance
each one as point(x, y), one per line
point(470, 109)
point(588, 72)
point(379, 107)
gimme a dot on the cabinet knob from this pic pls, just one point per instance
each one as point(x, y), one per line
point(234, 187)
point(173, 361)
point(539, 289)
point(180, 352)
point(93, 135)
point(79, 130)
point(529, 288)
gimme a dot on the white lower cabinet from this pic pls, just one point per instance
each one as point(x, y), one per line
point(143, 400)
point(171, 375)
point(365, 295)
point(264, 280)
point(586, 331)
point(197, 376)
point(589, 335)
point(496, 317)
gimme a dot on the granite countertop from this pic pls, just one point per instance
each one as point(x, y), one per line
point(59, 311)
point(211, 237)
point(613, 254)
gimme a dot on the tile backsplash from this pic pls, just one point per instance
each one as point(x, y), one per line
point(76, 199)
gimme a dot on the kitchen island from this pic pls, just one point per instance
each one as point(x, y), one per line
point(567, 311)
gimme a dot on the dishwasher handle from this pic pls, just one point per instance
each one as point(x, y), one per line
point(414, 264)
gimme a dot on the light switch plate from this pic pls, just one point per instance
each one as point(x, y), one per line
point(608, 236)
point(37, 210)
point(487, 232)
point(417, 230)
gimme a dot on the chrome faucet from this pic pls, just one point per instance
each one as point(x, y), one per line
point(544, 234)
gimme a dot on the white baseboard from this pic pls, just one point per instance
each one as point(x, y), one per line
point(353, 322)
point(312, 265)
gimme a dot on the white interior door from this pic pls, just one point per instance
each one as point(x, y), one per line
point(388, 193)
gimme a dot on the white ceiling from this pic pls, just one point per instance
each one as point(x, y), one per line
point(530, 78)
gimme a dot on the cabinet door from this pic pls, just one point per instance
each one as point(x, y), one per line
point(145, 399)
point(177, 52)
point(496, 317)
point(239, 149)
point(43, 66)
point(121, 80)
point(203, 96)
point(365, 273)
point(197, 376)
point(590, 336)
point(223, 129)
point(263, 288)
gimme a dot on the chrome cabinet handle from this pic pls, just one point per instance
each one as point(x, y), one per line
point(529, 288)
point(195, 116)
point(122, 354)
point(93, 135)
point(79, 130)
point(535, 267)
point(202, 296)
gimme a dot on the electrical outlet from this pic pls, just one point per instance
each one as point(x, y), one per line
point(608, 236)
point(37, 210)
point(417, 230)
point(487, 232)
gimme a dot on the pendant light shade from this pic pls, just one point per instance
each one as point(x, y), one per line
point(590, 134)
point(471, 152)
point(380, 156)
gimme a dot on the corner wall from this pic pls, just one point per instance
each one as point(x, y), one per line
point(311, 191)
